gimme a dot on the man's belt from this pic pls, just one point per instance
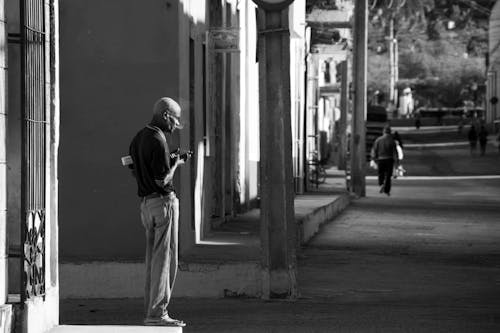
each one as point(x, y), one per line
point(157, 195)
point(152, 196)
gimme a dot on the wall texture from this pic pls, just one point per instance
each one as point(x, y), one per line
point(117, 58)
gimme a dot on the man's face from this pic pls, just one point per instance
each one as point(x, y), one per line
point(171, 122)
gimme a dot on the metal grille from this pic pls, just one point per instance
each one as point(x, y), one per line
point(33, 146)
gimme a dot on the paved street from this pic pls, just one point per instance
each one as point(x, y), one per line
point(426, 259)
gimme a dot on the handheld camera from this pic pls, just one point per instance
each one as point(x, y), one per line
point(183, 154)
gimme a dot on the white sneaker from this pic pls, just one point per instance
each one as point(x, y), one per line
point(164, 321)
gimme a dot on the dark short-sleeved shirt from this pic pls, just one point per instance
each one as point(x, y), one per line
point(151, 161)
point(384, 148)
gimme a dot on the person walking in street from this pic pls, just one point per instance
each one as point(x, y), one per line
point(154, 168)
point(384, 153)
point(472, 139)
point(418, 120)
point(399, 170)
point(461, 123)
point(498, 141)
point(483, 139)
point(397, 137)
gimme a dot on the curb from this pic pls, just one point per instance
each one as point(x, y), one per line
point(309, 225)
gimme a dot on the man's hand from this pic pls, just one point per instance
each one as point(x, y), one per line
point(179, 160)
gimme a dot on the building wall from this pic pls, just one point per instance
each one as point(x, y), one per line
point(117, 58)
point(111, 75)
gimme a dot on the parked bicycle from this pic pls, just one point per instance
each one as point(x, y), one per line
point(317, 172)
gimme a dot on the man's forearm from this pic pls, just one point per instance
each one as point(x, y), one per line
point(168, 177)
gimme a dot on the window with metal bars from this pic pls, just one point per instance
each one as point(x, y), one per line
point(33, 111)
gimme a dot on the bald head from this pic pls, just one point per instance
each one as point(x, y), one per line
point(168, 105)
point(167, 114)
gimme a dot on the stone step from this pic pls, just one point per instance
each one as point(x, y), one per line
point(313, 211)
point(114, 328)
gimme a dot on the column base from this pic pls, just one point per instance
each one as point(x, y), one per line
point(280, 284)
point(5, 318)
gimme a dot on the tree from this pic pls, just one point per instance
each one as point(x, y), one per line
point(440, 43)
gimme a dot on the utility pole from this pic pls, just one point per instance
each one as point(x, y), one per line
point(344, 106)
point(396, 70)
point(277, 216)
point(358, 139)
point(391, 60)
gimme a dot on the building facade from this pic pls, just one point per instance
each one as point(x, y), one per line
point(117, 58)
point(79, 79)
point(29, 138)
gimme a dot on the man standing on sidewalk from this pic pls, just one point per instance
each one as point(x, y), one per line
point(385, 154)
point(154, 170)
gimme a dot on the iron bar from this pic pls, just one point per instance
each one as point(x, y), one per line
point(33, 140)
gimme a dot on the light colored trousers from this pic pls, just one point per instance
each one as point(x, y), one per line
point(160, 217)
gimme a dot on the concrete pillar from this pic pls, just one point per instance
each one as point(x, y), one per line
point(3, 156)
point(344, 105)
point(311, 116)
point(358, 139)
point(392, 74)
point(216, 114)
point(278, 230)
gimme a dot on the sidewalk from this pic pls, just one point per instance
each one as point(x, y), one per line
point(425, 129)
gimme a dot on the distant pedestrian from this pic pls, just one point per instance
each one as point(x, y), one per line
point(498, 141)
point(472, 139)
point(398, 167)
point(399, 170)
point(483, 139)
point(384, 153)
point(418, 121)
point(461, 124)
point(397, 137)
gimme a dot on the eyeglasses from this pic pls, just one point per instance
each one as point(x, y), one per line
point(175, 121)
